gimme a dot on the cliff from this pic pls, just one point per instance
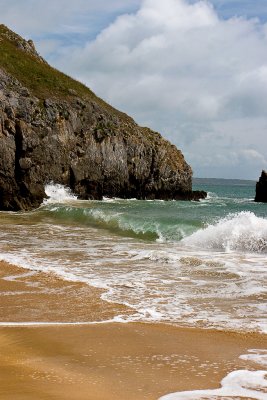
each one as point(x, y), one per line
point(261, 188)
point(53, 128)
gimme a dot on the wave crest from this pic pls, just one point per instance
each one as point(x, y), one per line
point(242, 231)
point(119, 221)
point(58, 194)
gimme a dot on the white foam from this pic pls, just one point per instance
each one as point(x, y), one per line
point(109, 199)
point(243, 231)
point(241, 383)
point(58, 194)
point(116, 320)
point(211, 195)
point(156, 293)
point(158, 281)
point(12, 278)
point(258, 356)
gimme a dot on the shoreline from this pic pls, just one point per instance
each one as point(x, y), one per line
point(99, 360)
point(117, 361)
point(53, 294)
point(39, 297)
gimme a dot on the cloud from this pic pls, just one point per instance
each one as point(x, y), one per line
point(229, 148)
point(181, 69)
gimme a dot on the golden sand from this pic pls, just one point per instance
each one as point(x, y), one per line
point(36, 296)
point(103, 361)
point(115, 361)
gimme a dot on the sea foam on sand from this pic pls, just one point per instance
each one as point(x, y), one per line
point(240, 383)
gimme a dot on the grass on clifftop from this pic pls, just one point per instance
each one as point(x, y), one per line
point(38, 77)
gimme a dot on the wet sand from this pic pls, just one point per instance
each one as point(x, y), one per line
point(35, 296)
point(102, 361)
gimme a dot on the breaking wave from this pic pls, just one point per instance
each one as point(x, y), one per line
point(243, 231)
point(58, 194)
point(122, 223)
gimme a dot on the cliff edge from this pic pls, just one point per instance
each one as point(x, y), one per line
point(53, 128)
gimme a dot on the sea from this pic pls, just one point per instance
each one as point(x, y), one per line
point(192, 264)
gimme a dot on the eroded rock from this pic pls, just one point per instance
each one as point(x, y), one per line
point(78, 141)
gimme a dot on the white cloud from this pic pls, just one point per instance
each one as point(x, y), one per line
point(250, 155)
point(182, 70)
point(173, 65)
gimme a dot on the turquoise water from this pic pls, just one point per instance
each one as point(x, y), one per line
point(166, 220)
point(186, 263)
point(169, 221)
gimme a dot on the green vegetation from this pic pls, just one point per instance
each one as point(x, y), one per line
point(38, 77)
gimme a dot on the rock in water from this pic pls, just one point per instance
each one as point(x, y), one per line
point(53, 128)
point(261, 188)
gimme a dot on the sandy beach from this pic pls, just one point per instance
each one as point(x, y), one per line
point(115, 361)
point(133, 200)
point(108, 361)
point(40, 297)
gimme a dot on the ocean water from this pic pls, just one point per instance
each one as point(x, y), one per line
point(187, 263)
point(198, 264)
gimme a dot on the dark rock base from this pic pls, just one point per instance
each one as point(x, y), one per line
point(261, 188)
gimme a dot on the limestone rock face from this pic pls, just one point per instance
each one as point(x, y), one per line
point(261, 188)
point(68, 135)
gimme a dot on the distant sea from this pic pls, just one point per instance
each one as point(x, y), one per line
point(195, 264)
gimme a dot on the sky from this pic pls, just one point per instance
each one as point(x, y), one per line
point(195, 71)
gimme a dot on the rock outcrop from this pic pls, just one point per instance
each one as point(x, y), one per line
point(261, 188)
point(52, 128)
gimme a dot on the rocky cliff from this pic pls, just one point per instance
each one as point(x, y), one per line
point(261, 188)
point(52, 128)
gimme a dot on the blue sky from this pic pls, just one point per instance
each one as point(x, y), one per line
point(245, 8)
point(196, 71)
